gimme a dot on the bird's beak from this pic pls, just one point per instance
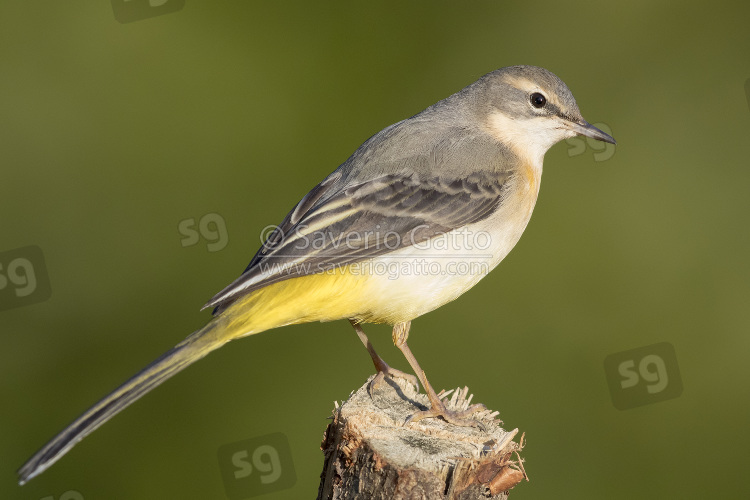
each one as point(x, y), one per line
point(585, 128)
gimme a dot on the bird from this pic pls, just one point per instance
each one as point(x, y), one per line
point(415, 217)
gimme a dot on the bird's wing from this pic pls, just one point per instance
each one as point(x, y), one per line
point(337, 225)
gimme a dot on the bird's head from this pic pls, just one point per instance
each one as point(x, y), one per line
point(529, 109)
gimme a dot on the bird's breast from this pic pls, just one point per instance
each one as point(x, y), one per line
point(417, 279)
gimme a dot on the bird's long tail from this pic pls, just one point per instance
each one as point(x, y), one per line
point(316, 297)
point(193, 348)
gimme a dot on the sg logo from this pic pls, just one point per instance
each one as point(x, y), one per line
point(68, 495)
point(642, 376)
point(211, 226)
point(127, 11)
point(23, 277)
point(256, 466)
point(603, 150)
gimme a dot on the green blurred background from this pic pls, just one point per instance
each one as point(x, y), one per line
point(111, 134)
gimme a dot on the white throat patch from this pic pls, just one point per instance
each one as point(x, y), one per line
point(528, 138)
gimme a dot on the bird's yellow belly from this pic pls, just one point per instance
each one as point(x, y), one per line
point(389, 289)
point(398, 286)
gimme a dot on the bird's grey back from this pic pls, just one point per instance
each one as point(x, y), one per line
point(449, 136)
point(440, 141)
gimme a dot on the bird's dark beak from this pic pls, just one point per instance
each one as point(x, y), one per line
point(585, 128)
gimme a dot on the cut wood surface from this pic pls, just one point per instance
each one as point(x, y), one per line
point(370, 454)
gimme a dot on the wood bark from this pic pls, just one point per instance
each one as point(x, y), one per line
point(370, 454)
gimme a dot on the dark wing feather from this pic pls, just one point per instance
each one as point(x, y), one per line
point(329, 229)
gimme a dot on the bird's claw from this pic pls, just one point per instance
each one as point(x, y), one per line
point(393, 373)
point(460, 418)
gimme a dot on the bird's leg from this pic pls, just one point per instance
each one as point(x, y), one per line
point(462, 418)
point(381, 366)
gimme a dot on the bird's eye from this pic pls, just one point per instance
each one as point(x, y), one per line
point(537, 100)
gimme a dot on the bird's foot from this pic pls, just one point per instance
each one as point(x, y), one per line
point(385, 370)
point(461, 418)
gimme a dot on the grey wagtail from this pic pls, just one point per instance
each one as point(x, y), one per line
point(414, 218)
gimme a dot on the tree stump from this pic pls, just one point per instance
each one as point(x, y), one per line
point(370, 454)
